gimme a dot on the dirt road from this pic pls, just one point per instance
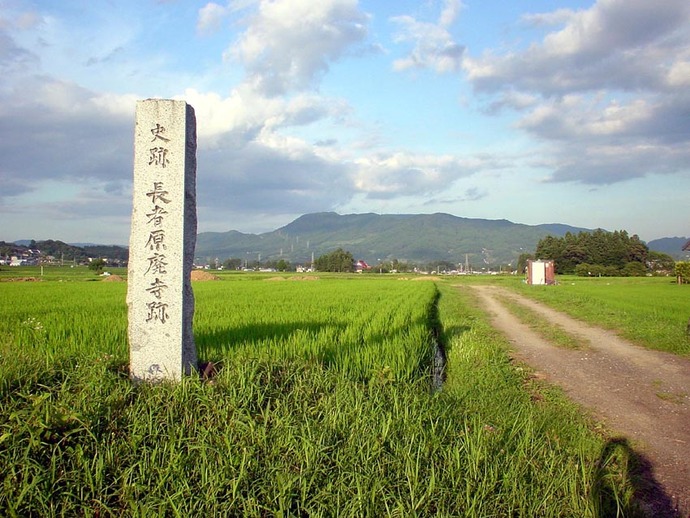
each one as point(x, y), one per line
point(640, 394)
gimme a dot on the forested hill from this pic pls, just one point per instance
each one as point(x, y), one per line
point(417, 238)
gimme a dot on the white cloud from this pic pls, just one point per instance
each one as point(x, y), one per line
point(512, 99)
point(679, 75)
point(246, 113)
point(54, 129)
point(605, 90)
point(402, 174)
point(557, 17)
point(602, 164)
point(449, 13)
point(434, 47)
point(288, 45)
point(210, 18)
point(621, 44)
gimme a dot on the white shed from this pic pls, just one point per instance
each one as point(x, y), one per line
point(541, 272)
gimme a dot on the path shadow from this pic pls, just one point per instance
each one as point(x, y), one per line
point(620, 465)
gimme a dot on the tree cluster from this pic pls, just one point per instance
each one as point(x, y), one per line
point(337, 261)
point(596, 253)
point(392, 265)
point(682, 271)
point(235, 263)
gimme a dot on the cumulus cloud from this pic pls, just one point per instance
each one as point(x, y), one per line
point(516, 100)
point(621, 44)
point(602, 142)
point(434, 47)
point(385, 176)
point(607, 89)
point(210, 17)
point(245, 114)
point(606, 164)
point(288, 45)
point(54, 129)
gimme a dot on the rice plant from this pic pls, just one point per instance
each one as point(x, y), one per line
point(322, 407)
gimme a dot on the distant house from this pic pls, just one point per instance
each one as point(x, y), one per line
point(17, 261)
point(541, 272)
point(361, 265)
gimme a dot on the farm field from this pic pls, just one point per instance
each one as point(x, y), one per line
point(322, 405)
point(649, 311)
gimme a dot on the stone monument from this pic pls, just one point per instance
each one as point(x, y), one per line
point(161, 246)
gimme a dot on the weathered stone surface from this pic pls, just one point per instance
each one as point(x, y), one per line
point(162, 240)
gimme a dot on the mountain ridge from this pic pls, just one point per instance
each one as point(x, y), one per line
point(375, 237)
point(419, 238)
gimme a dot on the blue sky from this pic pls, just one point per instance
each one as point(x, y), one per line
point(574, 112)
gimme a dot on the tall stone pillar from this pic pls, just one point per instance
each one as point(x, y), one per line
point(161, 247)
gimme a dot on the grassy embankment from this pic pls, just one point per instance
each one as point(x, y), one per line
point(316, 410)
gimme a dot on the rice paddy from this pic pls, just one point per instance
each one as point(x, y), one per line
point(322, 406)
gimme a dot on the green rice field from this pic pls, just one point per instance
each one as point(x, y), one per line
point(322, 406)
point(650, 311)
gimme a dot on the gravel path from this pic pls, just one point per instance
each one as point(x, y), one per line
point(640, 394)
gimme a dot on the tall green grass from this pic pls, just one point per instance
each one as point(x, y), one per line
point(65, 318)
point(357, 327)
point(285, 431)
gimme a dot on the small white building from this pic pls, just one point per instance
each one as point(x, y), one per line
point(541, 272)
point(17, 261)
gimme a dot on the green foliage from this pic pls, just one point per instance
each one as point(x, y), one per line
point(634, 269)
point(285, 433)
point(63, 251)
point(232, 264)
point(282, 265)
point(682, 271)
point(97, 265)
point(523, 259)
point(613, 251)
point(336, 261)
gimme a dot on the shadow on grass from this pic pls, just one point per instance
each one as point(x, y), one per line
point(217, 343)
point(621, 467)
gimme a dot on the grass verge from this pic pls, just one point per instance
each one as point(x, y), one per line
point(650, 311)
point(554, 333)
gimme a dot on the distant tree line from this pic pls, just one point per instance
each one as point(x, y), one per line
point(392, 265)
point(601, 253)
point(341, 260)
point(234, 263)
point(337, 261)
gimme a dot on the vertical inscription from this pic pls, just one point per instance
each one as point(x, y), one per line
point(159, 295)
point(157, 308)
